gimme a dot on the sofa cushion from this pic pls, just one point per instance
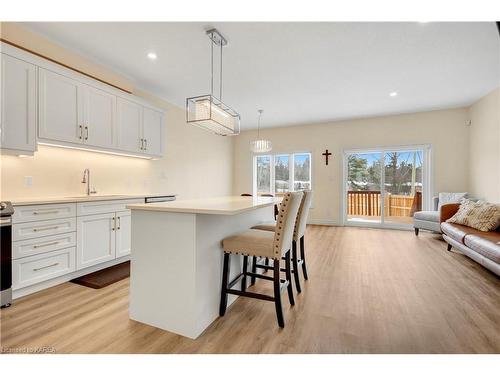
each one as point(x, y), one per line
point(485, 244)
point(457, 231)
point(427, 216)
point(479, 215)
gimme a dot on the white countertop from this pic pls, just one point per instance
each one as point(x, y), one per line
point(230, 205)
point(82, 198)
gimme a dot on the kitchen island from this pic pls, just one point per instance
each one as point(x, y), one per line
point(176, 260)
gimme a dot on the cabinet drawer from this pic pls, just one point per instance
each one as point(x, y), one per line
point(103, 207)
point(44, 228)
point(21, 249)
point(41, 267)
point(38, 212)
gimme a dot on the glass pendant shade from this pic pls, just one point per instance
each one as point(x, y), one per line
point(211, 114)
point(261, 145)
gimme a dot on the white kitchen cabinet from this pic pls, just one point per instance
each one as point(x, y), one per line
point(99, 118)
point(60, 101)
point(18, 105)
point(123, 233)
point(152, 126)
point(129, 124)
point(95, 239)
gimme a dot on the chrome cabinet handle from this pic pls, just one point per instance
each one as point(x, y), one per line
point(119, 223)
point(45, 212)
point(145, 144)
point(86, 133)
point(45, 228)
point(114, 224)
point(142, 144)
point(81, 132)
point(46, 244)
point(41, 268)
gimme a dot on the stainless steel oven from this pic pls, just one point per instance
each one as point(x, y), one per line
point(6, 211)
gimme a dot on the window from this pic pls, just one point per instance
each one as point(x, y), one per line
point(277, 174)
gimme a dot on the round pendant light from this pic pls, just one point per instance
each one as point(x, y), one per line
point(260, 145)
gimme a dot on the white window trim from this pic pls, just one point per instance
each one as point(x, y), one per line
point(291, 165)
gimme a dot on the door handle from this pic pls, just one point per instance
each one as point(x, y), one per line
point(114, 224)
point(45, 212)
point(81, 132)
point(119, 223)
point(45, 244)
point(86, 133)
point(142, 144)
point(145, 144)
point(45, 228)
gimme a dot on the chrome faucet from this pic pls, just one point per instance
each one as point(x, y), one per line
point(86, 180)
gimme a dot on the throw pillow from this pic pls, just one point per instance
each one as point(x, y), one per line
point(479, 215)
point(445, 198)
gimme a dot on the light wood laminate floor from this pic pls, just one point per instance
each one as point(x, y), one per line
point(370, 291)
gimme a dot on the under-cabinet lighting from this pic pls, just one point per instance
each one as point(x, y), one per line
point(98, 151)
point(152, 56)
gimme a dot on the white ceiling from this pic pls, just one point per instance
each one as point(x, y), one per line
point(300, 72)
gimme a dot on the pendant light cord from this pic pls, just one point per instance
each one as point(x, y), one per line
point(212, 66)
point(220, 82)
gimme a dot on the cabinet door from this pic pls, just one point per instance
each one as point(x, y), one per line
point(95, 239)
point(152, 131)
point(123, 233)
point(129, 117)
point(100, 114)
point(18, 104)
point(60, 103)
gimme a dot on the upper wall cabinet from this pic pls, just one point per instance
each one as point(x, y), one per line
point(72, 110)
point(60, 103)
point(129, 130)
point(140, 128)
point(18, 106)
point(152, 125)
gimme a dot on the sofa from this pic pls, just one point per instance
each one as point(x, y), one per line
point(483, 247)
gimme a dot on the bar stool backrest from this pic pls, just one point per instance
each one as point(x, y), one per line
point(300, 224)
point(285, 223)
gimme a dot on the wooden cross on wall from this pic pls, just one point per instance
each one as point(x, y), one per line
point(326, 154)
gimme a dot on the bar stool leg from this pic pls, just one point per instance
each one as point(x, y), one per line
point(295, 267)
point(303, 257)
point(254, 270)
point(223, 292)
point(277, 293)
point(288, 273)
point(245, 268)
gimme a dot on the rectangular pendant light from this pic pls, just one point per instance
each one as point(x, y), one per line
point(207, 111)
point(210, 113)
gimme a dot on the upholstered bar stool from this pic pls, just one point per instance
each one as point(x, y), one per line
point(298, 238)
point(266, 244)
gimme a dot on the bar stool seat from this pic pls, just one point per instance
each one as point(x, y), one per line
point(270, 226)
point(259, 241)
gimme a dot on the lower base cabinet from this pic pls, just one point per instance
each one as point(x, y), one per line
point(95, 239)
point(102, 237)
point(37, 268)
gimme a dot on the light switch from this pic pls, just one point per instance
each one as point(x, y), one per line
point(28, 181)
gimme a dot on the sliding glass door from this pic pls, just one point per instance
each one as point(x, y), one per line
point(385, 187)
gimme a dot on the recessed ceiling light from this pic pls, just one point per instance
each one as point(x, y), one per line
point(393, 94)
point(152, 55)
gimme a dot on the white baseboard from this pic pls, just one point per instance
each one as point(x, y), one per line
point(18, 293)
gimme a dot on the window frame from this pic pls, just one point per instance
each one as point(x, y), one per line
point(291, 171)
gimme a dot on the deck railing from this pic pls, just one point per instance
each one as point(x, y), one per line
point(368, 203)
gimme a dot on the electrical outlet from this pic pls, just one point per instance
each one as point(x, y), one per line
point(28, 181)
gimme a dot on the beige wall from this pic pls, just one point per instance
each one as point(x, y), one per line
point(445, 131)
point(484, 147)
point(196, 163)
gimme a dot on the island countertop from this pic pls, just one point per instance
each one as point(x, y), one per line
point(229, 205)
